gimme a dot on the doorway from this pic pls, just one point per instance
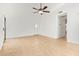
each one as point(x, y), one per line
point(62, 25)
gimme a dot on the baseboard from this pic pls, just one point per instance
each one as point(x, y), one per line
point(71, 41)
point(1, 45)
point(21, 36)
point(48, 36)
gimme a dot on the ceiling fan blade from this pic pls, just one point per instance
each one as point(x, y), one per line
point(36, 12)
point(44, 7)
point(35, 8)
point(47, 11)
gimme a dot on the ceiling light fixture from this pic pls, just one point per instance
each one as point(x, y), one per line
point(41, 10)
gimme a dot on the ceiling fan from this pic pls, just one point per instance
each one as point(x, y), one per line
point(41, 10)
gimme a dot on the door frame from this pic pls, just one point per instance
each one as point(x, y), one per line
point(60, 15)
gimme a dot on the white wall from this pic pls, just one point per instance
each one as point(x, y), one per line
point(73, 30)
point(1, 32)
point(20, 19)
point(72, 22)
point(73, 25)
point(48, 24)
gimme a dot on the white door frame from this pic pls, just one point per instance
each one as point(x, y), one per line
point(3, 32)
point(61, 31)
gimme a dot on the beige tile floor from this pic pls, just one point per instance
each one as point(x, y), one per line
point(38, 45)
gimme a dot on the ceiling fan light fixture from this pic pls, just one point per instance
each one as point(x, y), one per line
point(40, 12)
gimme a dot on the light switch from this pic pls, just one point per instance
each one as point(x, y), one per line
point(36, 25)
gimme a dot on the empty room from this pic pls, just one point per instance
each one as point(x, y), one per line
point(39, 29)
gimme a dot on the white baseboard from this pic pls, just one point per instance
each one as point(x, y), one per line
point(9, 37)
point(1, 45)
point(71, 41)
point(55, 37)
